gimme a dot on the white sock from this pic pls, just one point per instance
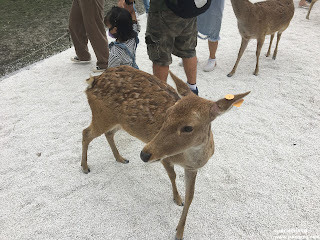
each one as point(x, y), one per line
point(192, 86)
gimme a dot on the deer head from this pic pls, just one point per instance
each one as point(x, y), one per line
point(187, 123)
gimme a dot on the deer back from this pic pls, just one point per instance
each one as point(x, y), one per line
point(262, 18)
point(135, 100)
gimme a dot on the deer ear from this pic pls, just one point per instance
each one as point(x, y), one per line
point(224, 104)
point(182, 87)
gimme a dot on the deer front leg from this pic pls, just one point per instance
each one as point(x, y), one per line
point(190, 179)
point(244, 44)
point(260, 42)
point(172, 175)
point(276, 49)
point(269, 50)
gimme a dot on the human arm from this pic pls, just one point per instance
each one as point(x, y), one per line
point(128, 5)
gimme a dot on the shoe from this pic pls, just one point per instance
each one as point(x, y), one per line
point(98, 69)
point(77, 60)
point(196, 92)
point(211, 64)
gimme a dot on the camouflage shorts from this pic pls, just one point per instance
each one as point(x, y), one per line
point(168, 34)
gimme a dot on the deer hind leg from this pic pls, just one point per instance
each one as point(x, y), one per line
point(276, 49)
point(244, 44)
point(260, 42)
point(88, 135)
point(110, 137)
point(269, 50)
point(172, 175)
point(311, 5)
point(190, 178)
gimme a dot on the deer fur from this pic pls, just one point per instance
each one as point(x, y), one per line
point(311, 5)
point(176, 130)
point(256, 20)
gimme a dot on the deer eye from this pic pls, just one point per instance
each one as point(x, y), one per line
point(187, 129)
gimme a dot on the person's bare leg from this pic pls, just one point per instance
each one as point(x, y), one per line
point(211, 62)
point(213, 46)
point(303, 3)
point(161, 72)
point(190, 68)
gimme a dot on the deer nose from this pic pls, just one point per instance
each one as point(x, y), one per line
point(145, 156)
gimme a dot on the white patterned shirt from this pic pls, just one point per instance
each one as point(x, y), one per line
point(118, 56)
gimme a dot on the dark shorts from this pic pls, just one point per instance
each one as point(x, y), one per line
point(168, 34)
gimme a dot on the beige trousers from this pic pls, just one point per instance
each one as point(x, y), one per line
point(86, 22)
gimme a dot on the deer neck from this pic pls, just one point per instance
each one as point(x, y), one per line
point(241, 8)
point(197, 156)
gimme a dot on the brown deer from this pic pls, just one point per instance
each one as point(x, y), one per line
point(177, 130)
point(256, 20)
point(311, 5)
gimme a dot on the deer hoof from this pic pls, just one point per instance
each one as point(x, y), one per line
point(274, 57)
point(86, 171)
point(230, 75)
point(124, 161)
point(178, 200)
point(179, 203)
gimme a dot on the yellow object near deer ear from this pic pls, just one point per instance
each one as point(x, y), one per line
point(239, 103)
point(229, 97)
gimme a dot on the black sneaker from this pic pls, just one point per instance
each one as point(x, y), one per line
point(195, 91)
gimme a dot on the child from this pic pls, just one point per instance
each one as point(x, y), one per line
point(124, 28)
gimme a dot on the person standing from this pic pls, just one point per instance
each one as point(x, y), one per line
point(209, 25)
point(168, 34)
point(86, 22)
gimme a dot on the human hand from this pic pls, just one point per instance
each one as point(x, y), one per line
point(121, 3)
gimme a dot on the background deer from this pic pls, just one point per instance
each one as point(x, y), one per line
point(256, 20)
point(311, 5)
point(178, 131)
